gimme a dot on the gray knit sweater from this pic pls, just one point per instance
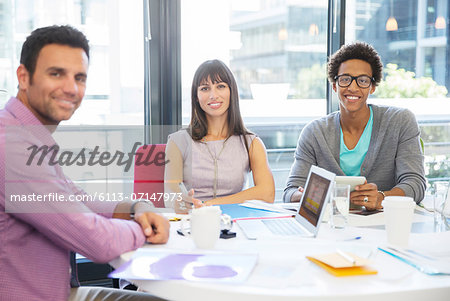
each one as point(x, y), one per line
point(394, 157)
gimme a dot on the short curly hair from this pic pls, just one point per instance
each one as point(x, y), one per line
point(356, 51)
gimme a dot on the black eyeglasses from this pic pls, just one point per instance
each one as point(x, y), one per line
point(363, 81)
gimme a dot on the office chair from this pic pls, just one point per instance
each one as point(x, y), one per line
point(149, 173)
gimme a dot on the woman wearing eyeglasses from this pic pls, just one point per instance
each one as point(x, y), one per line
point(379, 142)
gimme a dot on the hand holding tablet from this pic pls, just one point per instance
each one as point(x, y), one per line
point(353, 181)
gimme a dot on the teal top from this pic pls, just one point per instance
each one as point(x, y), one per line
point(351, 159)
point(394, 157)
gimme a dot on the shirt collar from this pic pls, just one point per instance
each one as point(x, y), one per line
point(21, 112)
point(26, 118)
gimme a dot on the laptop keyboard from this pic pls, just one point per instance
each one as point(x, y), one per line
point(283, 226)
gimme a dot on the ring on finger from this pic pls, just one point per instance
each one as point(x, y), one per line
point(366, 199)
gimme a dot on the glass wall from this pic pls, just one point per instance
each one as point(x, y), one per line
point(277, 52)
point(114, 28)
point(416, 57)
point(115, 86)
point(275, 48)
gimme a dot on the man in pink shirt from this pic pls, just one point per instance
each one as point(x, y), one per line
point(36, 237)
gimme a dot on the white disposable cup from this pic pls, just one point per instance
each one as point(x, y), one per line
point(399, 213)
point(205, 226)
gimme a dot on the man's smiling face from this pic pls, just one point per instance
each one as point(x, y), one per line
point(353, 98)
point(57, 87)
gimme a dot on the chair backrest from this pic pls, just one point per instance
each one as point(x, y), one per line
point(149, 173)
point(422, 145)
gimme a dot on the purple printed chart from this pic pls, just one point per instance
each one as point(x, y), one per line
point(152, 264)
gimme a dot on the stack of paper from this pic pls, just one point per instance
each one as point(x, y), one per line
point(255, 204)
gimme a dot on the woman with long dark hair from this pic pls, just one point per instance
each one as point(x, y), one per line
point(214, 155)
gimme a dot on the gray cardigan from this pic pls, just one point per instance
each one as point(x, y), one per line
point(394, 158)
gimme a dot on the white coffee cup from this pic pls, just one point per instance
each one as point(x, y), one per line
point(399, 213)
point(205, 226)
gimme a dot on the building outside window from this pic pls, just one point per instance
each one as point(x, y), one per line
point(114, 98)
point(277, 51)
point(416, 58)
point(114, 28)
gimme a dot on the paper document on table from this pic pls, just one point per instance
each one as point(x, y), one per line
point(289, 206)
point(336, 260)
point(427, 252)
point(377, 219)
point(423, 262)
point(255, 204)
point(435, 244)
point(160, 264)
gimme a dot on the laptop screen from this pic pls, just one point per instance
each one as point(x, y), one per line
point(314, 198)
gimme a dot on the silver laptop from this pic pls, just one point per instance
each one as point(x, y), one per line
point(309, 216)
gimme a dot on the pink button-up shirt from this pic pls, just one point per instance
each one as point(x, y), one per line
point(35, 246)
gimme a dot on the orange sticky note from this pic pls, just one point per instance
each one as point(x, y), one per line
point(344, 271)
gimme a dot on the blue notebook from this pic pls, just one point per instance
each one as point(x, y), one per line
point(235, 211)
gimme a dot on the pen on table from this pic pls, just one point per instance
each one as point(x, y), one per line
point(346, 256)
point(353, 238)
point(174, 219)
point(185, 192)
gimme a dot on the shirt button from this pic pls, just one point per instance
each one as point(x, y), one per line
point(70, 270)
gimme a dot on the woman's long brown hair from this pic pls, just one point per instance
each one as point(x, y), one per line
point(216, 71)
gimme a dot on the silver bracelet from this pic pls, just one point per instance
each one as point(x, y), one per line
point(384, 196)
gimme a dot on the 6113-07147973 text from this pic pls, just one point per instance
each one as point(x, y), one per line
point(97, 196)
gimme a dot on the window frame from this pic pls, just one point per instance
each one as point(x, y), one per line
point(163, 63)
point(162, 86)
point(335, 39)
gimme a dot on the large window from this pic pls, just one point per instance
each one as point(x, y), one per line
point(415, 54)
point(114, 28)
point(115, 87)
point(277, 52)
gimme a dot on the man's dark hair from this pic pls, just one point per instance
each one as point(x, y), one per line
point(62, 35)
point(356, 51)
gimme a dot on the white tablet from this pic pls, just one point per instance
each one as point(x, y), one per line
point(352, 181)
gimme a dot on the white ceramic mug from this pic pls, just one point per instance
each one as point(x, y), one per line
point(205, 226)
point(399, 213)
